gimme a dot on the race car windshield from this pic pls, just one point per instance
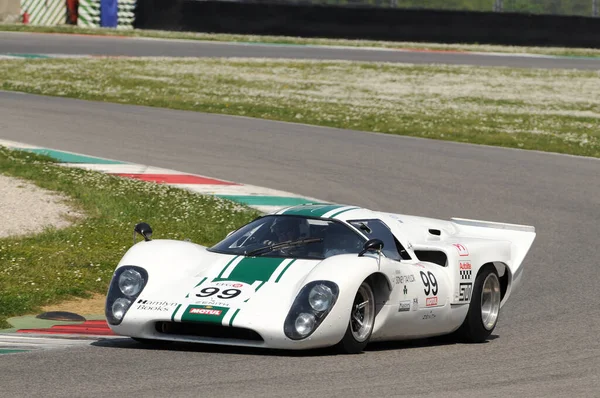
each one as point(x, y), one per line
point(310, 238)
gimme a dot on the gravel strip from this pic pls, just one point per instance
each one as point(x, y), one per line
point(26, 208)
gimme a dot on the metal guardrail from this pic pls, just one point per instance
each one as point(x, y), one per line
point(586, 8)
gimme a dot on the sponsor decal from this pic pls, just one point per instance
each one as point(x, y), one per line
point(405, 290)
point(462, 249)
point(431, 315)
point(465, 274)
point(465, 290)
point(151, 305)
point(415, 304)
point(464, 265)
point(205, 311)
point(404, 306)
point(431, 301)
point(216, 303)
point(403, 279)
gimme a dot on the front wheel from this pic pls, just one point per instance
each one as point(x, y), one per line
point(362, 319)
point(484, 309)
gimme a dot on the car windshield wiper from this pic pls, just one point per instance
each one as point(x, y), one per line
point(282, 245)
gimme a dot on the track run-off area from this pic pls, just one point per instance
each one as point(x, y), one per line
point(545, 343)
point(65, 44)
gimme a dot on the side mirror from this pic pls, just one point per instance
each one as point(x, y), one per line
point(143, 229)
point(372, 245)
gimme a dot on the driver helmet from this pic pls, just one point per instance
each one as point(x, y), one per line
point(286, 228)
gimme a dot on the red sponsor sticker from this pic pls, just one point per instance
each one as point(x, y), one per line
point(431, 301)
point(237, 285)
point(205, 311)
point(462, 249)
point(464, 265)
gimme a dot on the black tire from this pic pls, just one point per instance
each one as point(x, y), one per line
point(357, 337)
point(477, 327)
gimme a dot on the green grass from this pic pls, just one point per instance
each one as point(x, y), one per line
point(51, 266)
point(66, 29)
point(548, 110)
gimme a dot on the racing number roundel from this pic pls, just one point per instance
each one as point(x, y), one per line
point(429, 283)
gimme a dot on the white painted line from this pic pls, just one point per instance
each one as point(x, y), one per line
point(121, 168)
point(13, 144)
point(249, 190)
point(37, 342)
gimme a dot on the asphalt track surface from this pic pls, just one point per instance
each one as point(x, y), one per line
point(546, 342)
point(35, 43)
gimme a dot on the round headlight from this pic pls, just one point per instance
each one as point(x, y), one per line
point(304, 324)
point(320, 297)
point(131, 282)
point(119, 308)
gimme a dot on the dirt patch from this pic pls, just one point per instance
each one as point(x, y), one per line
point(93, 305)
point(26, 208)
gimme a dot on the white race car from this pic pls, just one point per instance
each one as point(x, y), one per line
point(321, 275)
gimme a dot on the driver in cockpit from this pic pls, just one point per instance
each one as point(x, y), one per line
point(283, 229)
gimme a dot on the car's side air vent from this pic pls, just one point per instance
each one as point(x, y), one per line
point(436, 232)
point(432, 256)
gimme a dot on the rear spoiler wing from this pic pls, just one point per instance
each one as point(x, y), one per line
point(521, 237)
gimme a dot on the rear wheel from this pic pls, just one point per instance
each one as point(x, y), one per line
point(362, 319)
point(484, 309)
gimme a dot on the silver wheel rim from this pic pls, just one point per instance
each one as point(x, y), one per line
point(490, 301)
point(363, 313)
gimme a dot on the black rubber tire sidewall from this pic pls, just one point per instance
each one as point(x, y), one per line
point(472, 329)
point(348, 344)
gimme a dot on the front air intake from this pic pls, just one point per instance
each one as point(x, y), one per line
point(198, 329)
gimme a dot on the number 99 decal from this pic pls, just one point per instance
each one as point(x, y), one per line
point(225, 294)
point(430, 283)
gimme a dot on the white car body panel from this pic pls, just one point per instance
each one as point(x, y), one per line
point(404, 309)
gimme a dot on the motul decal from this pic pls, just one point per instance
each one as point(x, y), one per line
point(462, 249)
point(431, 301)
point(205, 311)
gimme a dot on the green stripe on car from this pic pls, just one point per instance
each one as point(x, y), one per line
point(233, 317)
point(175, 312)
point(225, 268)
point(252, 269)
point(285, 269)
point(342, 211)
point(311, 210)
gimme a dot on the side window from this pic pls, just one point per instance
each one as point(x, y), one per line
point(377, 229)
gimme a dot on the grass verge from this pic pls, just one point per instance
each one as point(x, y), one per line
point(66, 29)
point(548, 110)
point(55, 265)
